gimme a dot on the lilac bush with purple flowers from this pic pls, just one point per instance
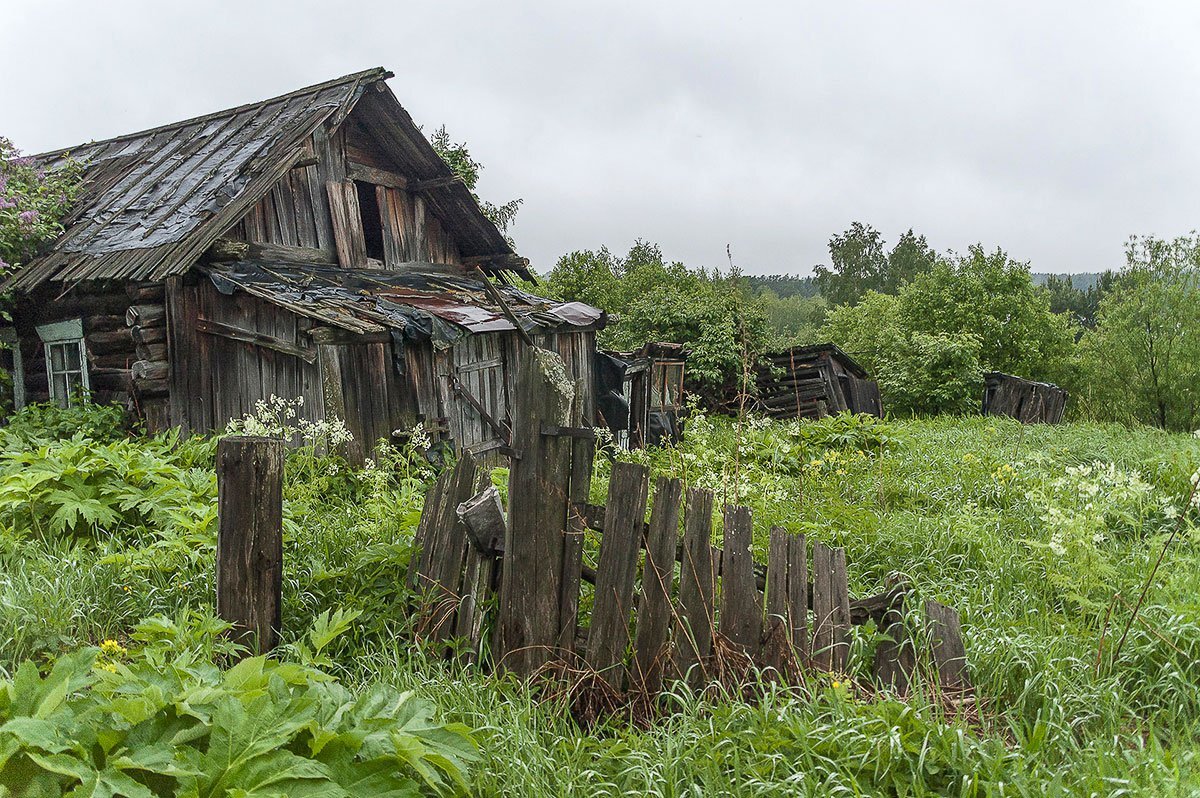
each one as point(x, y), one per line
point(32, 201)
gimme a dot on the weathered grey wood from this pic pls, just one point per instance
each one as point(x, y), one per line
point(658, 577)
point(777, 636)
point(697, 586)
point(145, 370)
point(741, 608)
point(798, 593)
point(949, 654)
point(582, 453)
point(538, 486)
point(483, 518)
point(608, 637)
point(841, 611)
point(146, 316)
point(250, 538)
point(822, 603)
point(895, 657)
point(429, 514)
point(347, 224)
point(445, 551)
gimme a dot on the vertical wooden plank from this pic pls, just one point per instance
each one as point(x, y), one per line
point(741, 611)
point(658, 577)
point(798, 596)
point(429, 512)
point(949, 654)
point(623, 518)
point(697, 585)
point(822, 577)
point(531, 593)
point(841, 611)
point(250, 538)
point(582, 452)
point(347, 224)
point(445, 550)
point(777, 639)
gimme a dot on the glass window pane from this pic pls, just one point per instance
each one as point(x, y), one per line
point(58, 389)
point(57, 358)
point(71, 355)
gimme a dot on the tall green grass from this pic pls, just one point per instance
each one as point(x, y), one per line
point(1028, 531)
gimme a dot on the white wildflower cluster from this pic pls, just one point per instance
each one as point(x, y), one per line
point(278, 417)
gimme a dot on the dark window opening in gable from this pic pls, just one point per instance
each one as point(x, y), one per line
point(372, 219)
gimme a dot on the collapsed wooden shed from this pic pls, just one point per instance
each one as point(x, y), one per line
point(1027, 401)
point(309, 246)
point(812, 382)
point(639, 394)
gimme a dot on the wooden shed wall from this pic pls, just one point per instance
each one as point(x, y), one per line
point(215, 378)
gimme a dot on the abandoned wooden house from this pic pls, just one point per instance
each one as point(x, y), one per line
point(313, 245)
point(639, 394)
point(1025, 400)
point(814, 381)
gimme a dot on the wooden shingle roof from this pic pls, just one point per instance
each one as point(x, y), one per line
point(152, 202)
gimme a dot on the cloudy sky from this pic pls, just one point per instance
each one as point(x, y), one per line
point(1052, 129)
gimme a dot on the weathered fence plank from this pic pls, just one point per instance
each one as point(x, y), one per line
point(841, 611)
point(777, 637)
point(895, 658)
point(486, 526)
point(250, 538)
point(433, 499)
point(443, 556)
point(528, 622)
point(822, 601)
point(608, 636)
point(658, 577)
point(949, 654)
point(741, 610)
point(582, 452)
point(697, 585)
point(798, 585)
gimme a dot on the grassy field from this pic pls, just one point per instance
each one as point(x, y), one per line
point(1029, 532)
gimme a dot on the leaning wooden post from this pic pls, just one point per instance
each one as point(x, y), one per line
point(250, 538)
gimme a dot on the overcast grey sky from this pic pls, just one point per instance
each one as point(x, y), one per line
point(1052, 129)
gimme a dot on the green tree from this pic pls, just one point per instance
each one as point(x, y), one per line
point(859, 264)
point(931, 343)
point(1142, 361)
point(458, 158)
point(651, 299)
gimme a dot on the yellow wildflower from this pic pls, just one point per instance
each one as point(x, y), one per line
point(112, 647)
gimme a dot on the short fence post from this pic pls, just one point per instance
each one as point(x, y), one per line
point(250, 538)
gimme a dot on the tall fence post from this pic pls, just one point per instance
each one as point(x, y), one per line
point(529, 620)
point(250, 538)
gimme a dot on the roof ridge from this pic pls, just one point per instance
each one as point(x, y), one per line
point(381, 73)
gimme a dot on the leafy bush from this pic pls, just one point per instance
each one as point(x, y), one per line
point(156, 720)
point(46, 422)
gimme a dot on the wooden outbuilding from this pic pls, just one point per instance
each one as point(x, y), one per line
point(639, 394)
point(313, 245)
point(812, 382)
point(1027, 401)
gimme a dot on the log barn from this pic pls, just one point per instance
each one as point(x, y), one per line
point(1027, 401)
point(312, 245)
point(814, 381)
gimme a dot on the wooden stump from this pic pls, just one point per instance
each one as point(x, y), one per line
point(949, 654)
point(250, 538)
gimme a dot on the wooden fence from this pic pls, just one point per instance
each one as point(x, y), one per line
point(664, 605)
